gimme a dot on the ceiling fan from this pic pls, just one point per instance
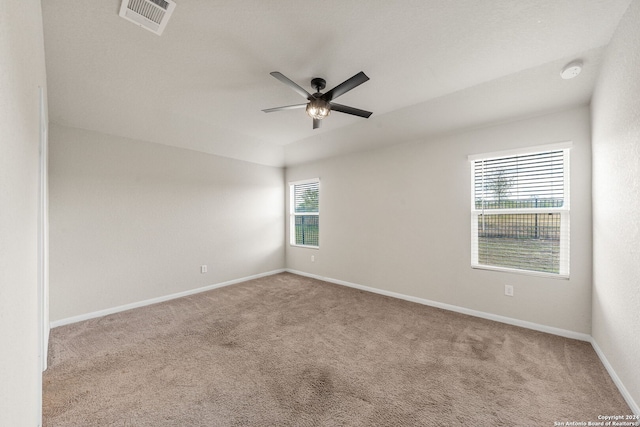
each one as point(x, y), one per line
point(320, 105)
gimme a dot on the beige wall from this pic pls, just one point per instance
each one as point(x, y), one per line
point(616, 204)
point(22, 71)
point(132, 221)
point(398, 219)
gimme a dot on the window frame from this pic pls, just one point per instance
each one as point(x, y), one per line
point(293, 214)
point(564, 211)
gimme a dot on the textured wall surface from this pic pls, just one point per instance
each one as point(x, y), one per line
point(398, 219)
point(22, 71)
point(616, 204)
point(132, 220)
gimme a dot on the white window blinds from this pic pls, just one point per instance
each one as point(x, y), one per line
point(520, 212)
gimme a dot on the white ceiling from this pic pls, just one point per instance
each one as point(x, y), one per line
point(435, 66)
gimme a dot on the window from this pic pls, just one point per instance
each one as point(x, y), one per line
point(520, 210)
point(304, 212)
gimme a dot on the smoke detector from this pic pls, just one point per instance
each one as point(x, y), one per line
point(571, 70)
point(151, 15)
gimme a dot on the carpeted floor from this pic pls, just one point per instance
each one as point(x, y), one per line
point(286, 350)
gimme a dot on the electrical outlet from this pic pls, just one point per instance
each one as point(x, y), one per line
point(313, 258)
point(508, 290)
point(203, 269)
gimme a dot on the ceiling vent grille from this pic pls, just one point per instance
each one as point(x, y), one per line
point(149, 14)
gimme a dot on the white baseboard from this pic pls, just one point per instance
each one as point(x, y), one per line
point(502, 319)
point(124, 307)
point(623, 390)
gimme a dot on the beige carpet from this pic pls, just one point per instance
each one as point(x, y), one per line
point(291, 351)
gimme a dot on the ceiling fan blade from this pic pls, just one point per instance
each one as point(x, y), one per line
point(345, 86)
point(350, 110)
point(288, 107)
point(316, 123)
point(284, 79)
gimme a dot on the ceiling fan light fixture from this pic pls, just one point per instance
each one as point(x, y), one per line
point(318, 108)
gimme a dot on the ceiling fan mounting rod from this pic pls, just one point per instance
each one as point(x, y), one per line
point(318, 84)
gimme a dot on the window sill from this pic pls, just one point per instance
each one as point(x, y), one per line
point(304, 246)
point(523, 272)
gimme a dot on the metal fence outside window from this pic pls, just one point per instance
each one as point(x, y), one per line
point(307, 227)
point(520, 240)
